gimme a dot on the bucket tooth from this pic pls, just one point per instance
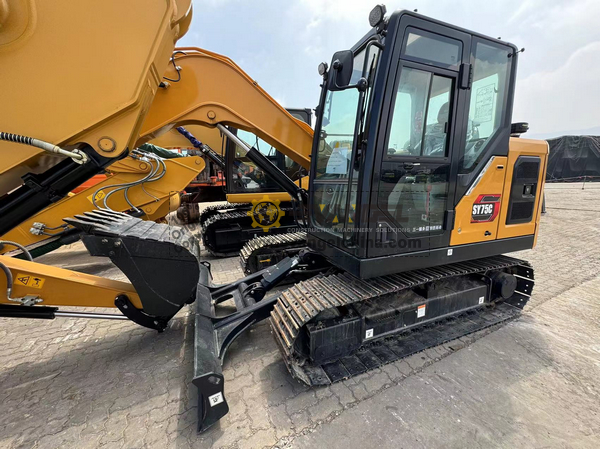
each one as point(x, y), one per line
point(84, 225)
point(112, 213)
point(102, 216)
point(94, 219)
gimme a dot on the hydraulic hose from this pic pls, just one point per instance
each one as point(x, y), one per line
point(78, 156)
point(7, 272)
point(150, 177)
point(9, 281)
point(18, 245)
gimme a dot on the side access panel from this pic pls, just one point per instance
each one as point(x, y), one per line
point(510, 224)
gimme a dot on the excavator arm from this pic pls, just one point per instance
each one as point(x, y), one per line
point(153, 199)
point(77, 88)
point(211, 90)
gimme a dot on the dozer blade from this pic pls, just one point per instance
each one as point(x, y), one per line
point(208, 377)
point(213, 334)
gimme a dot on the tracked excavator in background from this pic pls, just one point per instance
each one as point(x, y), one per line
point(232, 176)
point(416, 190)
point(225, 228)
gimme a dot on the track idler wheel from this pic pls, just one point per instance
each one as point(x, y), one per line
point(503, 284)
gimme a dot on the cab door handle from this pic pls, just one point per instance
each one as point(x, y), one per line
point(409, 166)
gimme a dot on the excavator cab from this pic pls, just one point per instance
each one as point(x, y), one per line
point(244, 177)
point(408, 123)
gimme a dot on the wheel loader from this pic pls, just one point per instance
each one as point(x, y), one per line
point(416, 192)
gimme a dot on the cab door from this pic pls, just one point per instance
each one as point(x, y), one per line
point(413, 190)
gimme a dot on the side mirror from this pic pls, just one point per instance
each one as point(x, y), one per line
point(341, 70)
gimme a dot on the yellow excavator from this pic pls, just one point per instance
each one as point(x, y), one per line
point(225, 229)
point(143, 183)
point(417, 188)
point(233, 177)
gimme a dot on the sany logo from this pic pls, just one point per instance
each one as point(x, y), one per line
point(485, 208)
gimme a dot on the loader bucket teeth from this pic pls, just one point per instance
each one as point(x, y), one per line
point(85, 226)
point(94, 220)
point(102, 216)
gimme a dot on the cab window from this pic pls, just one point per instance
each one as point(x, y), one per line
point(433, 49)
point(247, 177)
point(488, 101)
point(421, 115)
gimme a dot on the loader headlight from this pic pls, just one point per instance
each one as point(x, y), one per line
point(376, 15)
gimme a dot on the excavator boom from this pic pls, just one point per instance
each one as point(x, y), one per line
point(89, 93)
point(213, 90)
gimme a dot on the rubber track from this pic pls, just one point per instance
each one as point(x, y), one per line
point(277, 242)
point(221, 217)
point(301, 303)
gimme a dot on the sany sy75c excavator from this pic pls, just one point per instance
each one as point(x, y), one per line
point(416, 191)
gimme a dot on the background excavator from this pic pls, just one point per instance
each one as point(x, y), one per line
point(233, 177)
point(407, 225)
point(227, 227)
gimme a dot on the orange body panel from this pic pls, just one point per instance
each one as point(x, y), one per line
point(492, 182)
point(497, 180)
point(523, 147)
point(89, 183)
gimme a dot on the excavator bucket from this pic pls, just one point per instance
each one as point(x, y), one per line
point(161, 261)
point(163, 264)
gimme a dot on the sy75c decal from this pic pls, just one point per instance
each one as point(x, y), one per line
point(485, 208)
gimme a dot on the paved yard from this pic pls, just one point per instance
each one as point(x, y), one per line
point(533, 383)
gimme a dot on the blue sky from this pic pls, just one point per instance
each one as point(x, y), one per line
point(280, 44)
